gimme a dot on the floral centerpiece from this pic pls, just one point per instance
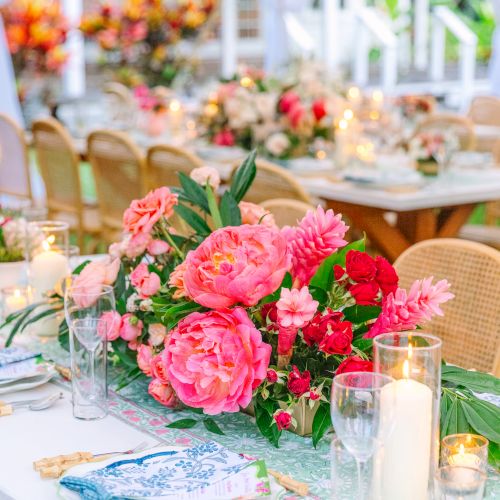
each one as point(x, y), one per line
point(143, 34)
point(12, 236)
point(281, 120)
point(414, 107)
point(237, 313)
point(152, 104)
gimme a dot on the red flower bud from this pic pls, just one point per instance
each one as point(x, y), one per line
point(298, 383)
point(283, 419)
point(272, 376)
point(360, 267)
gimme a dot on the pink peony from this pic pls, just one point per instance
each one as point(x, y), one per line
point(158, 247)
point(137, 244)
point(146, 283)
point(143, 214)
point(163, 393)
point(255, 214)
point(87, 286)
point(157, 333)
point(159, 368)
point(176, 280)
point(216, 359)
point(109, 325)
point(317, 236)
point(144, 358)
point(296, 307)
point(204, 175)
point(403, 310)
point(238, 264)
point(131, 327)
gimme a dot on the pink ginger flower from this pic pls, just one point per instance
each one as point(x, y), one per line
point(318, 235)
point(296, 307)
point(146, 283)
point(404, 310)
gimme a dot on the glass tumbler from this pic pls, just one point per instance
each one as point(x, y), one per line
point(459, 483)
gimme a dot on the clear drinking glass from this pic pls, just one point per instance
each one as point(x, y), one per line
point(362, 405)
point(459, 483)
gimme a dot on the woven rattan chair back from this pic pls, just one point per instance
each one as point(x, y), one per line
point(14, 165)
point(287, 212)
point(459, 125)
point(119, 172)
point(485, 110)
point(163, 163)
point(470, 327)
point(273, 181)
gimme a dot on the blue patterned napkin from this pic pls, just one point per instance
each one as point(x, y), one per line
point(14, 354)
point(157, 475)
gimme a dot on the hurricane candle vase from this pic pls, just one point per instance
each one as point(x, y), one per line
point(465, 450)
point(411, 447)
point(47, 255)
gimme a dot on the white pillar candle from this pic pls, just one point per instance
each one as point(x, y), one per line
point(406, 430)
point(46, 269)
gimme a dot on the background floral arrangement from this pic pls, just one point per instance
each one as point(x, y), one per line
point(281, 120)
point(12, 237)
point(237, 312)
point(36, 31)
point(142, 34)
point(430, 145)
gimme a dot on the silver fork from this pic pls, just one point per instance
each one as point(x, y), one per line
point(140, 447)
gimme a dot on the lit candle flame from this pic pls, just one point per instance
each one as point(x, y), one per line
point(377, 96)
point(461, 449)
point(348, 114)
point(46, 244)
point(410, 351)
point(246, 81)
point(320, 155)
point(353, 93)
point(175, 105)
point(406, 369)
point(17, 292)
point(343, 124)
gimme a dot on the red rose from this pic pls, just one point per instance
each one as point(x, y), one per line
point(360, 267)
point(338, 341)
point(319, 109)
point(287, 101)
point(272, 376)
point(269, 315)
point(298, 383)
point(338, 272)
point(386, 276)
point(318, 327)
point(283, 419)
point(365, 294)
point(354, 364)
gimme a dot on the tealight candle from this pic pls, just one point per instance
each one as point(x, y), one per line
point(465, 450)
point(14, 299)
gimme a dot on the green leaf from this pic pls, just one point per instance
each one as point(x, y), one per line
point(362, 344)
point(193, 219)
point(120, 283)
point(243, 177)
point(324, 277)
point(483, 417)
point(229, 211)
point(212, 426)
point(128, 378)
point(183, 423)
point(321, 423)
point(361, 314)
point(319, 294)
point(193, 192)
point(78, 269)
point(494, 455)
point(451, 419)
point(214, 209)
point(265, 422)
point(475, 381)
point(39, 316)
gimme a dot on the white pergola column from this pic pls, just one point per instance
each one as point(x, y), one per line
point(421, 38)
point(330, 49)
point(73, 76)
point(229, 37)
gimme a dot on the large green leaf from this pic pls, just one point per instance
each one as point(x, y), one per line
point(193, 192)
point(361, 314)
point(475, 381)
point(321, 422)
point(193, 219)
point(265, 422)
point(213, 207)
point(229, 211)
point(183, 423)
point(212, 426)
point(483, 417)
point(243, 177)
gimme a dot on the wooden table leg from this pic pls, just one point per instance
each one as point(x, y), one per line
point(457, 217)
point(419, 225)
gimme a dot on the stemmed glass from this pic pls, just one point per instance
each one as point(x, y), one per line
point(362, 413)
point(87, 311)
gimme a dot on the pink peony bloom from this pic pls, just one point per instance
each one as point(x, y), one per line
point(157, 333)
point(296, 307)
point(176, 280)
point(88, 284)
point(318, 235)
point(255, 214)
point(238, 264)
point(163, 393)
point(158, 247)
point(143, 214)
point(404, 310)
point(131, 327)
point(146, 283)
point(224, 138)
point(137, 244)
point(216, 359)
point(144, 358)
point(159, 368)
point(109, 325)
point(204, 175)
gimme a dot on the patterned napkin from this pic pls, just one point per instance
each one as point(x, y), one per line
point(193, 473)
point(14, 354)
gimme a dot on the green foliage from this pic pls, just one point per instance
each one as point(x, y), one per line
point(183, 423)
point(321, 422)
point(229, 210)
point(193, 192)
point(193, 219)
point(212, 426)
point(214, 209)
point(264, 411)
point(243, 177)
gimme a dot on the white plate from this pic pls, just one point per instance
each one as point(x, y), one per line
point(220, 153)
point(27, 383)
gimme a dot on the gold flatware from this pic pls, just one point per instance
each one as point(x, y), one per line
point(289, 483)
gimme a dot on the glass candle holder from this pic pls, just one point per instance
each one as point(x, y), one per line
point(47, 255)
point(15, 298)
point(411, 447)
point(459, 483)
point(465, 450)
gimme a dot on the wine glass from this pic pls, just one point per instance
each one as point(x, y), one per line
point(362, 413)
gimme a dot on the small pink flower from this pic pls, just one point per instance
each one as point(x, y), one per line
point(157, 333)
point(109, 325)
point(137, 244)
point(204, 175)
point(158, 247)
point(143, 214)
point(146, 283)
point(288, 100)
point(159, 368)
point(224, 138)
point(296, 115)
point(117, 250)
point(131, 327)
point(176, 280)
point(255, 214)
point(144, 358)
point(296, 307)
point(163, 393)
point(283, 419)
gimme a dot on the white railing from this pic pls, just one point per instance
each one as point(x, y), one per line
point(369, 23)
point(300, 37)
point(444, 19)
